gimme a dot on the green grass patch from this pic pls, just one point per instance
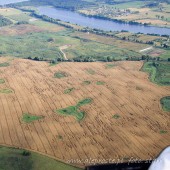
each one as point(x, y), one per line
point(20, 45)
point(116, 116)
point(6, 91)
point(159, 72)
point(28, 118)
point(165, 102)
point(68, 91)
point(5, 64)
point(86, 82)
point(84, 102)
point(110, 65)
point(91, 71)
point(74, 110)
point(100, 83)
point(19, 159)
point(163, 132)
point(2, 81)
point(60, 137)
point(60, 75)
point(125, 5)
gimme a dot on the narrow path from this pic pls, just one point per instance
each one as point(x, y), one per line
point(146, 49)
point(63, 48)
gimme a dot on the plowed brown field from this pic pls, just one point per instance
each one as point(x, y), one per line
point(126, 92)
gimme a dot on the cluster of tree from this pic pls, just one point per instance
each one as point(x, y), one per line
point(22, 22)
point(100, 16)
point(4, 21)
point(36, 58)
point(136, 40)
point(49, 19)
point(66, 4)
point(106, 59)
point(152, 4)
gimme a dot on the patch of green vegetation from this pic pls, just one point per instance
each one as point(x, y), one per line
point(20, 45)
point(74, 110)
point(163, 132)
point(91, 71)
point(159, 72)
point(166, 54)
point(110, 65)
point(125, 5)
point(28, 118)
point(139, 88)
point(165, 102)
point(19, 17)
point(100, 82)
point(6, 91)
point(116, 116)
point(84, 102)
point(4, 64)
point(18, 159)
point(69, 90)
point(80, 50)
point(60, 75)
point(2, 81)
point(86, 82)
point(93, 50)
point(60, 137)
point(4, 21)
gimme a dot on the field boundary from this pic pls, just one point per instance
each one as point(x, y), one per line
point(49, 156)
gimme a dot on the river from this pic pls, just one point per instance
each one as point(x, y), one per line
point(91, 22)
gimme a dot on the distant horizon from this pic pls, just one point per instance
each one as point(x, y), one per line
point(3, 2)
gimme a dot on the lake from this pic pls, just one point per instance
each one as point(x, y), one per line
point(106, 25)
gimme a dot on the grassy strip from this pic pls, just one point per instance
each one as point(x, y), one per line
point(2, 81)
point(60, 75)
point(159, 72)
point(68, 91)
point(28, 118)
point(109, 66)
point(84, 102)
point(163, 132)
point(116, 116)
point(91, 71)
point(5, 64)
point(86, 82)
point(100, 82)
point(19, 159)
point(165, 102)
point(6, 91)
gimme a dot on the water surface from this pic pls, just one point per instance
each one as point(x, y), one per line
point(106, 25)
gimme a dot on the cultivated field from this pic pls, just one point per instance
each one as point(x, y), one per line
point(121, 114)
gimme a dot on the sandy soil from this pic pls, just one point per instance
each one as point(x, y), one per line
point(126, 92)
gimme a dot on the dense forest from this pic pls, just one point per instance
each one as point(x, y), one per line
point(4, 21)
point(79, 4)
point(112, 2)
point(67, 4)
